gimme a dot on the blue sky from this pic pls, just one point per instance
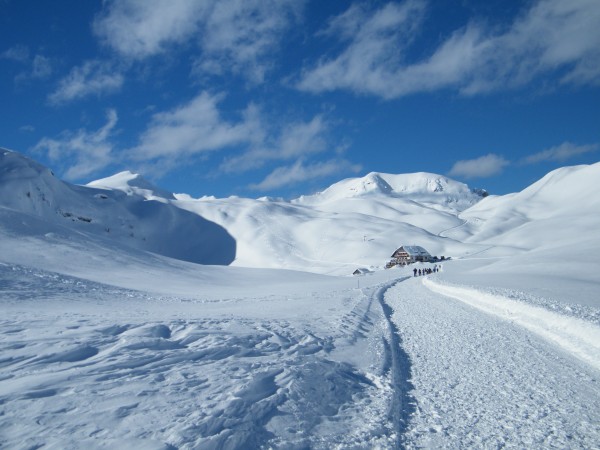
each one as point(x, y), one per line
point(285, 97)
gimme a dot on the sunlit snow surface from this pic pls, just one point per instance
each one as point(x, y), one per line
point(104, 345)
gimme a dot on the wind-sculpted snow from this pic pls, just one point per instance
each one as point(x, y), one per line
point(86, 364)
point(388, 365)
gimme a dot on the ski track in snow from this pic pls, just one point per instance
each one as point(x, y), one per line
point(441, 233)
point(89, 365)
point(402, 404)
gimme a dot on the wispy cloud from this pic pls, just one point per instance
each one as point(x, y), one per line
point(19, 53)
point(553, 37)
point(92, 78)
point(138, 29)
point(231, 35)
point(83, 152)
point(297, 139)
point(560, 153)
point(198, 128)
point(242, 35)
point(375, 40)
point(27, 128)
point(300, 172)
point(482, 167)
point(39, 66)
point(195, 127)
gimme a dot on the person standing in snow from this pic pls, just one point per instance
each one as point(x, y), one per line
point(415, 271)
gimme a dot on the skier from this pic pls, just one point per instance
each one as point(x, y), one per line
point(415, 271)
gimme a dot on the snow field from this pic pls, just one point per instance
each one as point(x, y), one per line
point(105, 345)
point(86, 364)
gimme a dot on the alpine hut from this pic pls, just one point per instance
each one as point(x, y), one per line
point(408, 254)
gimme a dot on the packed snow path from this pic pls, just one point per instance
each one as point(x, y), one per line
point(484, 382)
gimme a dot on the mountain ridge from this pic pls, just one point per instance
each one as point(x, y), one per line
point(356, 222)
point(132, 220)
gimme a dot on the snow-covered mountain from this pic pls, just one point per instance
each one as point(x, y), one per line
point(571, 193)
point(354, 223)
point(426, 188)
point(104, 344)
point(132, 184)
point(139, 215)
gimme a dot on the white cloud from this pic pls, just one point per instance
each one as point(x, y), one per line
point(92, 78)
point(377, 40)
point(138, 29)
point(243, 34)
point(27, 128)
point(295, 140)
point(40, 66)
point(196, 127)
point(560, 153)
point(553, 37)
point(82, 152)
point(237, 35)
point(300, 172)
point(19, 53)
point(482, 167)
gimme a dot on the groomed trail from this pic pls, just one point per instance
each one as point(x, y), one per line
point(485, 382)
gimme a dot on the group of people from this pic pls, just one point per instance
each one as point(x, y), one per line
point(426, 271)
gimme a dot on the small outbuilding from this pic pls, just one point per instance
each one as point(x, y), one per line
point(408, 254)
point(361, 271)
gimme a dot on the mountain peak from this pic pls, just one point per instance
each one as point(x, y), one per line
point(132, 184)
point(372, 182)
point(421, 186)
point(18, 166)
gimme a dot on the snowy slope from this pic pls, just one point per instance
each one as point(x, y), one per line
point(356, 222)
point(222, 357)
point(570, 194)
point(280, 234)
point(150, 224)
point(105, 345)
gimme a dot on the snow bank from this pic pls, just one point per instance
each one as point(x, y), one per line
point(579, 337)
